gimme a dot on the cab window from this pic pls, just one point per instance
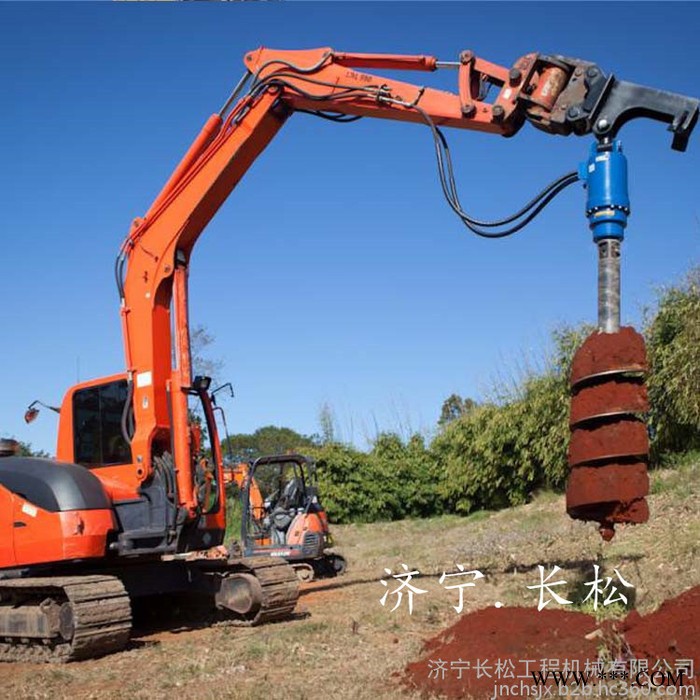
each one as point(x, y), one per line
point(97, 416)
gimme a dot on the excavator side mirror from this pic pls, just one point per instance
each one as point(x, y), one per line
point(228, 386)
point(32, 412)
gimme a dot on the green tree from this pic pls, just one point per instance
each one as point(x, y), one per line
point(409, 475)
point(453, 407)
point(268, 440)
point(349, 489)
point(394, 480)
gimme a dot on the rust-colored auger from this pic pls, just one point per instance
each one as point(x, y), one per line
point(609, 447)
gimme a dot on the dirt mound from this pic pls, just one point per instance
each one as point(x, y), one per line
point(517, 639)
point(672, 632)
point(493, 646)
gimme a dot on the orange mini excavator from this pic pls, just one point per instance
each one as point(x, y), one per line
point(281, 510)
point(283, 515)
point(134, 504)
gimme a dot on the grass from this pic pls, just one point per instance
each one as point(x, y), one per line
point(234, 518)
point(683, 479)
point(351, 646)
point(614, 611)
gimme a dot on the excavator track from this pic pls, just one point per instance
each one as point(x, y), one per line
point(279, 590)
point(95, 618)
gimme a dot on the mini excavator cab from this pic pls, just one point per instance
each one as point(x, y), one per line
point(292, 522)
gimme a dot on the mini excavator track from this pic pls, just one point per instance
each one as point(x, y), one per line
point(59, 619)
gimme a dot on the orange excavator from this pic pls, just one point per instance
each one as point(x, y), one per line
point(281, 510)
point(134, 504)
point(283, 515)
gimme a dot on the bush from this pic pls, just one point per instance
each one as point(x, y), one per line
point(348, 490)
point(410, 475)
point(394, 480)
point(497, 454)
point(672, 331)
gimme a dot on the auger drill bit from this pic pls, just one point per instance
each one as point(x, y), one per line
point(609, 448)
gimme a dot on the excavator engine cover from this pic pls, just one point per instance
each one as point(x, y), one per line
point(609, 448)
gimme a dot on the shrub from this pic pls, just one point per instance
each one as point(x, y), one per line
point(672, 331)
point(497, 454)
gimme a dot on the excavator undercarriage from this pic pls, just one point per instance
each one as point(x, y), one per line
point(67, 618)
point(58, 619)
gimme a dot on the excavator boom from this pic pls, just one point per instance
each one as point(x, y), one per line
point(556, 94)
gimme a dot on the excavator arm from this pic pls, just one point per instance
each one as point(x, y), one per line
point(556, 94)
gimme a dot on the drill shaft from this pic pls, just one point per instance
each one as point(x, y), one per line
point(609, 285)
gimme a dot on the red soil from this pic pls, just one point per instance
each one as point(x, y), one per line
point(604, 431)
point(589, 485)
point(672, 632)
point(617, 395)
point(516, 635)
point(608, 494)
point(621, 438)
point(604, 352)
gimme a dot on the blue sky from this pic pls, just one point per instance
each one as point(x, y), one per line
point(335, 272)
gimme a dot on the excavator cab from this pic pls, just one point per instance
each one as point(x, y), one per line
point(96, 427)
point(292, 522)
